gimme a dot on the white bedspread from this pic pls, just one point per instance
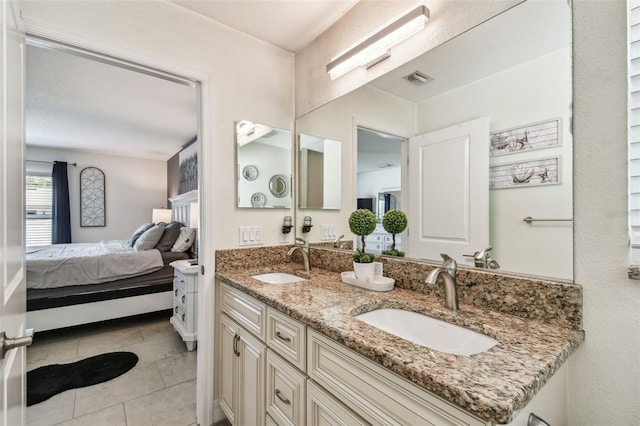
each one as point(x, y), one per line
point(62, 265)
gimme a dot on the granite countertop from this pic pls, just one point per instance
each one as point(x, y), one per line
point(493, 385)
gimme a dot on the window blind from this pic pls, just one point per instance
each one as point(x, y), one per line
point(634, 122)
point(38, 203)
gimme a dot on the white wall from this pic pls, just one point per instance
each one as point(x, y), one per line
point(250, 80)
point(371, 183)
point(535, 91)
point(133, 187)
point(337, 120)
point(604, 374)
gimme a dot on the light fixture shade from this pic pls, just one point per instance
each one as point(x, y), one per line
point(247, 131)
point(375, 47)
point(161, 215)
point(194, 215)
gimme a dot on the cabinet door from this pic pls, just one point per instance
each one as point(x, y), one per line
point(325, 410)
point(228, 369)
point(251, 380)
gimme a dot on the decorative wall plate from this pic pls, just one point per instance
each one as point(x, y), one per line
point(278, 186)
point(92, 202)
point(258, 199)
point(250, 172)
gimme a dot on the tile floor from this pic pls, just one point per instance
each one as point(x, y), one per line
point(159, 390)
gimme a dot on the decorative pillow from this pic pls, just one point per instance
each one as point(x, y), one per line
point(138, 232)
point(150, 238)
point(171, 232)
point(185, 240)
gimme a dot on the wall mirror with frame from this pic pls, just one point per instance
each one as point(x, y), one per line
point(263, 166)
point(514, 70)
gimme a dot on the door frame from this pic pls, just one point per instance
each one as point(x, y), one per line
point(206, 294)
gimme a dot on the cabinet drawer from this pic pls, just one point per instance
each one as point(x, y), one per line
point(323, 409)
point(376, 394)
point(247, 311)
point(180, 314)
point(180, 297)
point(286, 392)
point(287, 337)
point(187, 282)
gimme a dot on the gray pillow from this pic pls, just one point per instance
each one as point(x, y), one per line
point(171, 232)
point(150, 237)
point(185, 240)
point(138, 232)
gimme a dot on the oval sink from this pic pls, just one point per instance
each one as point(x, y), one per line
point(278, 278)
point(429, 332)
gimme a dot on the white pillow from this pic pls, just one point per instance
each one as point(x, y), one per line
point(185, 240)
point(150, 238)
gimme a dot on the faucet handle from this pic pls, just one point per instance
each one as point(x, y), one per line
point(448, 262)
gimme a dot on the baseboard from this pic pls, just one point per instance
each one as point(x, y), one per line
point(218, 414)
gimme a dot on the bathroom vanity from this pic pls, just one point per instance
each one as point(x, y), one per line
point(295, 353)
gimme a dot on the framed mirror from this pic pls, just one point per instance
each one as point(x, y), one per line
point(514, 69)
point(264, 166)
point(319, 178)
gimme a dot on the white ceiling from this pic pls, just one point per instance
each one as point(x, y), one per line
point(288, 24)
point(72, 102)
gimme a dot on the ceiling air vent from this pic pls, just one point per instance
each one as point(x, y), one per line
point(418, 78)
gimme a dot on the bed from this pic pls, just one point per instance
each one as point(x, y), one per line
point(73, 284)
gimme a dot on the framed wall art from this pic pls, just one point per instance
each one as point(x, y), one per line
point(525, 173)
point(92, 200)
point(188, 168)
point(541, 135)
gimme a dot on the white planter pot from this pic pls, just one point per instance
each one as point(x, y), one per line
point(364, 271)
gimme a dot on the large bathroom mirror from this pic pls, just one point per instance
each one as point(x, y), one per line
point(264, 166)
point(319, 178)
point(515, 70)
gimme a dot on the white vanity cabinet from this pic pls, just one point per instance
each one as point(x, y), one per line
point(185, 301)
point(377, 395)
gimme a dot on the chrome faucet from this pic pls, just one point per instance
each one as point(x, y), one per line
point(338, 243)
point(305, 250)
point(482, 259)
point(448, 272)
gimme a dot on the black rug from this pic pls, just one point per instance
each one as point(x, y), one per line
point(45, 382)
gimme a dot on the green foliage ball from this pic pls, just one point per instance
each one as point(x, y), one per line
point(394, 221)
point(362, 222)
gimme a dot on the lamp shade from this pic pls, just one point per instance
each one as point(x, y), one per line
point(194, 215)
point(161, 215)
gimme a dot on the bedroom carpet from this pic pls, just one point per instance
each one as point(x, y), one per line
point(159, 390)
point(49, 380)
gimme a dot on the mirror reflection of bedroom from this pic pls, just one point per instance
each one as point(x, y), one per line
point(112, 219)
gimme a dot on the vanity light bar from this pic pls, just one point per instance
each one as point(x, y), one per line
point(374, 48)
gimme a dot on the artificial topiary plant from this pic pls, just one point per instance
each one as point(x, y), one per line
point(362, 222)
point(394, 222)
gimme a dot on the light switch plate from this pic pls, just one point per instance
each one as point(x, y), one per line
point(250, 235)
point(329, 232)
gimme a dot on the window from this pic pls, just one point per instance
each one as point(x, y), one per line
point(38, 201)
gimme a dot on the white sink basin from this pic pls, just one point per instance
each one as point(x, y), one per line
point(278, 278)
point(429, 332)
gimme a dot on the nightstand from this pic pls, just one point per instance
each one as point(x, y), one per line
point(185, 301)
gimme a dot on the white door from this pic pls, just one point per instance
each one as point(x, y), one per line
point(12, 269)
point(448, 192)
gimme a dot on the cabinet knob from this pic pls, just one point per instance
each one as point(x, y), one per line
point(183, 317)
point(183, 299)
point(175, 292)
point(282, 398)
point(176, 309)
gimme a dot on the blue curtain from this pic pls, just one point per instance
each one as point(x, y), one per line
point(61, 223)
